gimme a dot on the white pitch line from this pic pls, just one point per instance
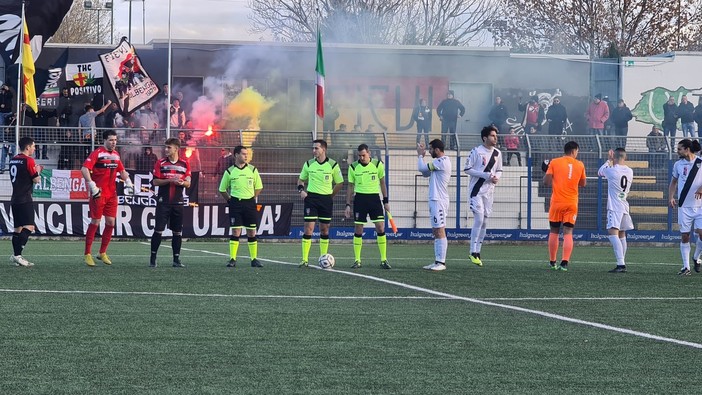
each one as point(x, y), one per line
point(493, 304)
point(605, 298)
point(144, 293)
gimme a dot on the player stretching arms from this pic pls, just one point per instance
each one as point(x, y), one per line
point(564, 175)
point(484, 166)
point(366, 180)
point(439, 173)
point(240, 186)
point(320, 173)
point(687, 182)
point(171, 176)
point(619, 178)
point(100, 171)
point(24, 173)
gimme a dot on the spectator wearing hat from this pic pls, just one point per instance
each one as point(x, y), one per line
point(557, 116)
point(656, 144)
point(533, 115)
point(448, 111)
point(621, 115)
point(596, 115)
point(670, 119)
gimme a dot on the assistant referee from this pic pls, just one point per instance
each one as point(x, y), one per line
point(324, 180)
point(240, 185)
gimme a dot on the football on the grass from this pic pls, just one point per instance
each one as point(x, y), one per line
point(326, 261)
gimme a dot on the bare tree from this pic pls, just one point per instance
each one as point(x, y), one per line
point(82, 26)
point(597, 27)
point(420, 22)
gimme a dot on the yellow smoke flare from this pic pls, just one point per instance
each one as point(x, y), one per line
point(249, 104)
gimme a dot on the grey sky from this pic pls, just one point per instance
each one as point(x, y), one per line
point(200, 19)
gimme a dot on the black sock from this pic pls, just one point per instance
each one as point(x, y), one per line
point(24, 236)
point(155, 243)
point(177, 243)
point(16, 244)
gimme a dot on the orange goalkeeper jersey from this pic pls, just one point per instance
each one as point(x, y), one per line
point(567, 173)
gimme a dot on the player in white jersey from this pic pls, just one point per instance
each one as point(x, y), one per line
point(619, 177)
point(439, 173)
point(687, 183)
point(484, 166)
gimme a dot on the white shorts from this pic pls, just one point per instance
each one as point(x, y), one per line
point(438, 210)
point(689, 217)
point(619, 220)
point(481, 205)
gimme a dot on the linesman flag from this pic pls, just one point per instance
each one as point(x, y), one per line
point(28, 70)
point(320, 77)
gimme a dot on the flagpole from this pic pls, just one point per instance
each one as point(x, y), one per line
point(20, 86)
point(314, 111)
point(170, 86)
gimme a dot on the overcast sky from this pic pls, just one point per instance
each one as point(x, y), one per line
point(190, 19)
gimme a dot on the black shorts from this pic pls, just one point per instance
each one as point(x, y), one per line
point(23, 214)
point(171, 215)
point(318, 207)
point(367, 205)
point(242, 213)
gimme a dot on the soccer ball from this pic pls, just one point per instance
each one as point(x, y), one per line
point(326, 261)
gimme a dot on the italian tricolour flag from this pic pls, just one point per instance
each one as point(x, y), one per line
point(320, 77)
point(61, 185)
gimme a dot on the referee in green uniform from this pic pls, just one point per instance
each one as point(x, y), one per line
point(324, 180)
point(240, 186)
point(366, 180)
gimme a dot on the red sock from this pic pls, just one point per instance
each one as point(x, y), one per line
point(552, 246)
point(106, 237)
point(89, 237)
point(567, 246)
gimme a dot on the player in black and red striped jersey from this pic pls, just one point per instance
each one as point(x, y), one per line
point(171, 176)
point(100, 170)
point(24, 173)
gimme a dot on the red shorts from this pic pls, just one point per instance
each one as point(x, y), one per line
point(563, 212)
point(106, 206)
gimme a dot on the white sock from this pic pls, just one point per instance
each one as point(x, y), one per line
point(685, 252)
point(475, 232)
point(440, 246)
point(618, 250)
point(624, 246)
point(481, 236)
point(698, 249)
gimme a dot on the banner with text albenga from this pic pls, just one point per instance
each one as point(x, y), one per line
point(207, 220)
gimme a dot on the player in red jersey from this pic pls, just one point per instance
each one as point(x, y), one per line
point(100, 171)
point(24, 173)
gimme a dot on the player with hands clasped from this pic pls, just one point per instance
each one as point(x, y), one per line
point(100, 171)
point(686, 181)
point(171, 176)
point(367, 179)
point(484, 166)
point(619, 178)
point(439, 173)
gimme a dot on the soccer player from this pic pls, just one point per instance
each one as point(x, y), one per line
point(564, 175)
point(439, 173)
point(367, 179)
point(171, 176)
point(24, 173)
point(686, 180)
point(619, 178)
point(100, 171)
point(240, 186)
point(484, 166)
point(324, 180)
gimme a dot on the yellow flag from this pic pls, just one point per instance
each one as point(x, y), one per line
point(30, 94)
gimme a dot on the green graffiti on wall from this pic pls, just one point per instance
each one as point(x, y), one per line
point(649, 109)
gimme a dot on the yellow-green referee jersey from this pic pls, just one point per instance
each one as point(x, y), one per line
point(321, 177)
point(366, 178)
point(242, 183)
